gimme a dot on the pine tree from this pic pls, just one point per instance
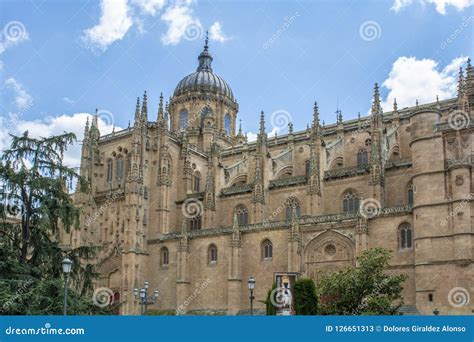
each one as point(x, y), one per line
point(36, 207)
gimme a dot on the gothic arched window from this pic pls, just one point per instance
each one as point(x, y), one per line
point(183, 119)
point(242, 215)
point(197, 181)
point(291, 203)
point(120, 168)
point(410, 194)
point(350, 202)
point(110, 169)
point(165, 256)
point(406, 236)
point(195, 223)
point(362, 158)
point(267, 249)
point(206, 111)
point(212, 254)
point(307, 168)
point(227, 123)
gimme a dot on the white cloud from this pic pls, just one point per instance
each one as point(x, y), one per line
point(216, 33)
point(440, 5)
point(23, 100)
point(181, 23)
point(115, 21)
point(252, 136)
point(48, 126)
point(13, 33)
point(151, 7)
point(412, 79)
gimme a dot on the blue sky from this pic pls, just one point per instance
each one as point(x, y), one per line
point(62, 59)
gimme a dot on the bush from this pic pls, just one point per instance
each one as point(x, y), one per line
point(306, 300)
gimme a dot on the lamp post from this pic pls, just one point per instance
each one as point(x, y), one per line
point(143, 298)
point(251, 285)
point(67, 264)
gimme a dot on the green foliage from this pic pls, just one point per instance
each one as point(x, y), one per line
point(365, 290)
point(306, 299)
point(34, 185)
point(270, 308)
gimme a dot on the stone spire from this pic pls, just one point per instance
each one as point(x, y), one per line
point(166, 118)
point(94, 132)
point(86, 130)
point(160, 118)
point(376, 108)
point(460, 83)
point(262, 136)
point(395, 105)
point(136, 122)
point(205, 58)
point(315, 116)
point(144, 116)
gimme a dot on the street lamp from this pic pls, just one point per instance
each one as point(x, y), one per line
point(143, 298)
point(67, 264)
point(251, 285)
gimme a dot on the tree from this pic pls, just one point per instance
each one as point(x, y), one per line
point(364, 290)
point(270, 308)
point(36, 207)
point(306, 299)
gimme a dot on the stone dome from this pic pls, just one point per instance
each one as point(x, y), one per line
point(204, 79)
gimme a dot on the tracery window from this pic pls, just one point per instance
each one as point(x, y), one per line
point(350, 202)
point(406, 236)
point(242, 215)
point(267, 249)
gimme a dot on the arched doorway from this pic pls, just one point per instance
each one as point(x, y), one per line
point(328, 252)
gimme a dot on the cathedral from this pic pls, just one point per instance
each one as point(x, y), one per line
point(182, 200)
